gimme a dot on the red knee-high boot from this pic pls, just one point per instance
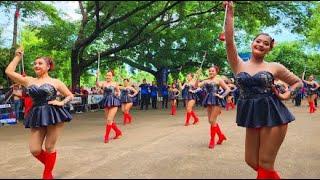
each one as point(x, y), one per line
point(129, 118)
point(173, 110)
point(196, 119)
point(50, 160)
point(188, 115)
point(125, 117)
point(232, 105)
point(106, 136)
point(267, 174)
point(117, 130)
point(212, 135)
point(313, 107)
point(310, 107)
point(222, 137)
point(41, 156)
point(227, 106)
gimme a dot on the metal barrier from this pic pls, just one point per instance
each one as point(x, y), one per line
point(7, 114)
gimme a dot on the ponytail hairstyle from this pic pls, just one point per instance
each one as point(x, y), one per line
point(49, 62)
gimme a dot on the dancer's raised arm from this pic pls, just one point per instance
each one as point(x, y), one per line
point(232, 54)
point(10, 70)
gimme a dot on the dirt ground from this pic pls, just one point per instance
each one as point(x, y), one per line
point(157, 145)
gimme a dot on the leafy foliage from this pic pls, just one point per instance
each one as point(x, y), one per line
point(312, 32)
point(293, 56)
point(151, 36)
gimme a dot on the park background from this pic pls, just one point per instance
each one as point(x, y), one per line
point(161, 40)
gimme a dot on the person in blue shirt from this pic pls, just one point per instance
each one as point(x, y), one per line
point(145, 89)
point(154, 94)
point(165, 95)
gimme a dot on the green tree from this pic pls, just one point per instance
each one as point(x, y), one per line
point(22, 10)
point(151, 36)
point(25, 10)
point(180, 47)
point(293, 56)
point(313, 29)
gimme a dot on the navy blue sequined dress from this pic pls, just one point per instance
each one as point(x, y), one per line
point(173, 95)
point(189, 95)
point(310, 90)
point(211, 99)
point(258, 106)
point(42, 114)
point(125, 98)
point(109, 98)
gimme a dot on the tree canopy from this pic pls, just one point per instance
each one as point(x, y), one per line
point(158, 36)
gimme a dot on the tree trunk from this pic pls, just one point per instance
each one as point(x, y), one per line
point(15, 26)
point(75, 68)
point(15, 33)
point(161, 76)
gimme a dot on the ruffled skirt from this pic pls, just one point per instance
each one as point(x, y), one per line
point(263, 111)
point(110, 101)
point(212, 100)
point(126, 99)
point(45, 115)
point(190, 96)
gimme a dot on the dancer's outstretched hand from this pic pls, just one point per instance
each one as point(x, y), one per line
point(19, 52)
point(229, 4)
point(198, 72)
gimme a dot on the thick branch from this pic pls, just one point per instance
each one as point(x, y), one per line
point(114, 7)
point(130, 43)
point(97, 10)
point(84, 21)
point(141, 29)
point(105, 26)
point(96, 32)
point(135, 64)
point(187, 64)
point(215, 8)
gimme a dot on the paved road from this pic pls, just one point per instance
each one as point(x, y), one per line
point(157, 145)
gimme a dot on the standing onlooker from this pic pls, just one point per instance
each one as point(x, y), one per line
point(84, 97)
point(298, 97)
point(165, 95)
point(94, 90)
point(77, 93)
point(17, 95)
point(145, 88)
point(154, 94)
